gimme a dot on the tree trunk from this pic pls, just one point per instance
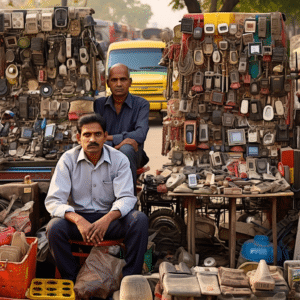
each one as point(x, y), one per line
point(229, 5)
point(192, 6)
point(213, 6)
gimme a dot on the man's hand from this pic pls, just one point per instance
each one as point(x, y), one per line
point(84, 228)
point(98, 229)
point(128, 141)
point(82, 224)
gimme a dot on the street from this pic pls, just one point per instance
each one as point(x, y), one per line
point(153, 145)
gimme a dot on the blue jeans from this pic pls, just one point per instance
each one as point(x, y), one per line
point(133, 228)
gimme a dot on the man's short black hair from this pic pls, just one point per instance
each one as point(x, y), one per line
point(91, 118)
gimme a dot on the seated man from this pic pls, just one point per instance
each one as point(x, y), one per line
point(126, 116)
point(99, 181)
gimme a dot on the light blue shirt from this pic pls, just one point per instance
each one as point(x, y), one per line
point(102, 188)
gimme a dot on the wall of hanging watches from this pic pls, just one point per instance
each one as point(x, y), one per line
point(50, 68)
point(229, 108)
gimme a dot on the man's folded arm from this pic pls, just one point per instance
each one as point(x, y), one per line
point(141, 128)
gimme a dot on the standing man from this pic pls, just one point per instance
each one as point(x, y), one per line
point(91, 198)
point(126, 117)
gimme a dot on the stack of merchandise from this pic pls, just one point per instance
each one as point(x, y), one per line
point(50, 68)
point(182, 282)
point(230, 113)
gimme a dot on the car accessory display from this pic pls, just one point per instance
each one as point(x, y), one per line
point(235, 96)
point(44, 55)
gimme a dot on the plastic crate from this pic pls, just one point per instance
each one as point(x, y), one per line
point(148, 260)
point(4, 298)
point(15, 277)
point(57, 289)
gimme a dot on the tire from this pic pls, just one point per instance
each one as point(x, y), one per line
point(141, 204)
point(170, 227)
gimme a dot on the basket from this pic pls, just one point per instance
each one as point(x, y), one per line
point(54, 289)
point(15, 277)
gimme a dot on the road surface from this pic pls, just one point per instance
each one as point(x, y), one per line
point(153, 146)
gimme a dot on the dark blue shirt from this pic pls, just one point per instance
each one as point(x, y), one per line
point(131, 122)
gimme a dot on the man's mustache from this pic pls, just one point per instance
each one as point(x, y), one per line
point(93, 144)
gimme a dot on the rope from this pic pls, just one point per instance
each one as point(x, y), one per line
point(186, 65)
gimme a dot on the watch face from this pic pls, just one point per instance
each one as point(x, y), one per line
point(198, 55)
point(233, 77)
point(253, 151)
point(209, 28)
point(264, 152)
point(223, 45)
point(233, 29)
point(255, 49)
point(193, 180)
point(250, 26)
point(262, 165)
point(223, 28)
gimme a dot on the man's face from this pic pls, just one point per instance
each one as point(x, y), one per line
point(119, 82)
point(92, 138)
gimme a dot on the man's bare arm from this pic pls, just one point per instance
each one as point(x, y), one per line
point(128, 141)
point(99, 228)
point(82, 224)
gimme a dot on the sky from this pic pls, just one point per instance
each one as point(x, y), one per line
point(163, 15)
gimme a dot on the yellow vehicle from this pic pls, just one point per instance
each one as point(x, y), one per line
point(149, 79)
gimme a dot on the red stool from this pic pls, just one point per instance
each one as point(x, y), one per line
point(140, 171)
point(84, 255)
point(144, 169)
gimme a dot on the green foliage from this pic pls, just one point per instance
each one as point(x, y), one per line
point(131, 12)
point(289, 7)
point(177, 4)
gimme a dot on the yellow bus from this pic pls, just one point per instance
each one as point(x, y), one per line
point(149, 79)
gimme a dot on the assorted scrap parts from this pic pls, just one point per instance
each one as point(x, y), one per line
point(48, 58)
point(262, 281)
point(230, 94)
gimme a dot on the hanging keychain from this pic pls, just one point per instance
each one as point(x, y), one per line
point(83, 52)
point(268, 113)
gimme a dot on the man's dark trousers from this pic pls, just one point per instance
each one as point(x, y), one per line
point(133, 228)
point(137, 159)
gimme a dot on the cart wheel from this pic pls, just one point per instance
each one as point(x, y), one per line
point(170, 226)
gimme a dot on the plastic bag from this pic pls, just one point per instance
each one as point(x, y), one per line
point(43, 245)
point(19, 219)
point(100, 275)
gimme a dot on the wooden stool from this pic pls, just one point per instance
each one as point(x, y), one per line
point(83, 255)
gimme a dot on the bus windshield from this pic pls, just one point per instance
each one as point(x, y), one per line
point(141, 59)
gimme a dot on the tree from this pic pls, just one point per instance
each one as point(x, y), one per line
point(131, 12)
point(193, 6)
point(290, 8)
